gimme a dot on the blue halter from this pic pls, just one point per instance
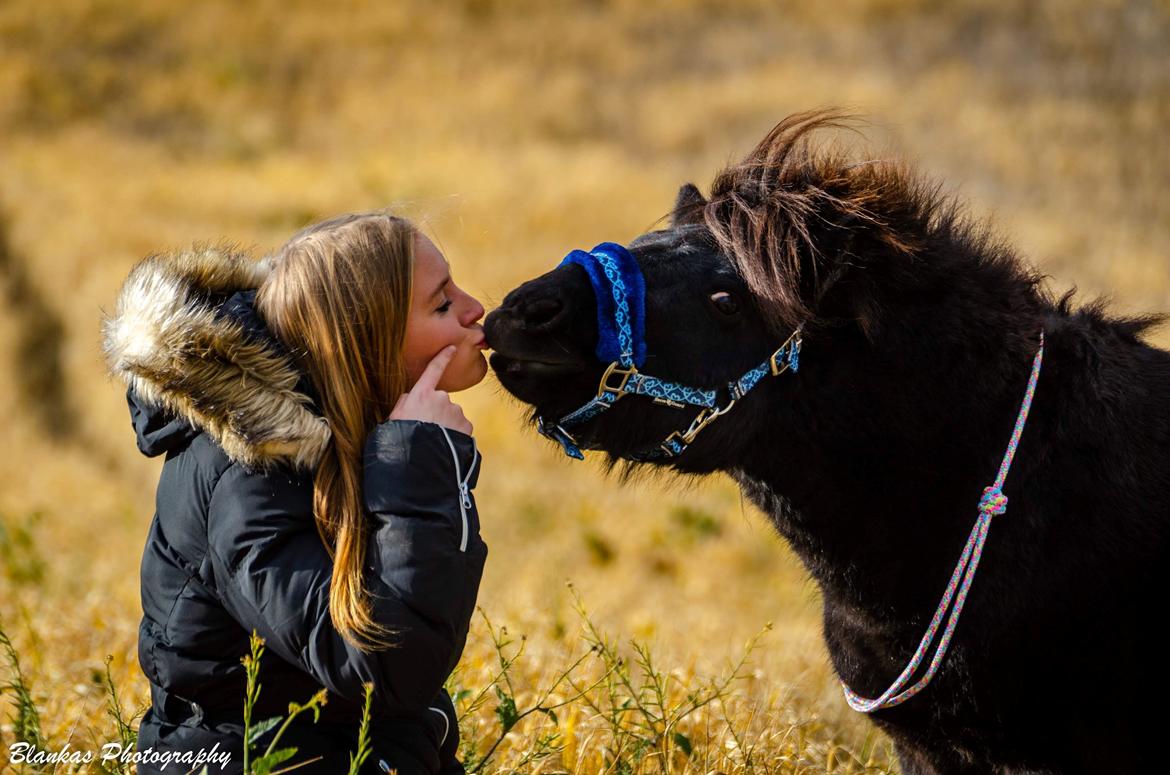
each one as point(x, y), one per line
point(621, 323)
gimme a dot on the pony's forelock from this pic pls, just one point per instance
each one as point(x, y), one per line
point(765, 211)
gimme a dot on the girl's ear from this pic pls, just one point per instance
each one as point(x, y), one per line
point(688, 206)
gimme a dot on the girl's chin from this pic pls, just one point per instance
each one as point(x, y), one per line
point(469, 376)
point(480, 367)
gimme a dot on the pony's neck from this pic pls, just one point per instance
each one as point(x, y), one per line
point(873, 464)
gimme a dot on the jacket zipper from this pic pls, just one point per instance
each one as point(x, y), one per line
point(446, 723)
point(461, 483)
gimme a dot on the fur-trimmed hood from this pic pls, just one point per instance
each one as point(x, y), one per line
point(186, 339)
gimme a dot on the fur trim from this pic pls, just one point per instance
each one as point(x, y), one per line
point(167, 343)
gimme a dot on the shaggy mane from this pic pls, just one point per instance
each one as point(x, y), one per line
point(773, 213)
point(787, 215)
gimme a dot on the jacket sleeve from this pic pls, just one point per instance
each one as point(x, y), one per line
point(274, 574)
point(418, 482)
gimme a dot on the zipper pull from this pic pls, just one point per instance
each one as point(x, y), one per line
point(464, 495)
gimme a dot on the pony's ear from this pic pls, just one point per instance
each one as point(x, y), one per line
point(688, 206)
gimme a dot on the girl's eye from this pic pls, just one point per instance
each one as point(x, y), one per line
point(446, 306)
point(725, 303)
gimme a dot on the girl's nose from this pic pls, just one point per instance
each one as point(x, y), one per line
point(474, 312)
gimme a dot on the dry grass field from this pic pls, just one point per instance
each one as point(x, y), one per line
point(516, 131)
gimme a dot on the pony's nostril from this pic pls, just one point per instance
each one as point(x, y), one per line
point(542, 311)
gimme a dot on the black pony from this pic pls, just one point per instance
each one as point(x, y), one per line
point(919, 331)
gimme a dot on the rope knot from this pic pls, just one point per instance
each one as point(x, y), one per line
point(993, 502)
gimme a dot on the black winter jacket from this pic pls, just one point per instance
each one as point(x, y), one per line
point(233, 546)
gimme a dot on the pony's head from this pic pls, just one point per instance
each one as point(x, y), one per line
point(702, 329)
point(857, 255)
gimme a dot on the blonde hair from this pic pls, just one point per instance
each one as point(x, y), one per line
point(338, 297)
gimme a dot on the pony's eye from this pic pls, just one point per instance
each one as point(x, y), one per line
point(725, 302)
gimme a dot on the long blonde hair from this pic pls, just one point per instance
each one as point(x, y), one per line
point(338, 297)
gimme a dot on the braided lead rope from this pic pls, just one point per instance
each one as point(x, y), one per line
point(993, 503)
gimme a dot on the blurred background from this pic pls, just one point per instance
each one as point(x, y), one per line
point(514, 131)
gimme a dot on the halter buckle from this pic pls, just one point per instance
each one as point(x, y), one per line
point(676, 437)
point(791, 344)
point(624, 374)
point(704, 418)
point(554, 431)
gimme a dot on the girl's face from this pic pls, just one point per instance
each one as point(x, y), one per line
point(441, 314)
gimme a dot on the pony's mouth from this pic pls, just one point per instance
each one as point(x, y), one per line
point(532, 367)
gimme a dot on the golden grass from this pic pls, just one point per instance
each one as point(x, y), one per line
point(516, 131)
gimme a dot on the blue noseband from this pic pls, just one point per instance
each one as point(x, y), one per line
point(620, 290)
point(621, 302)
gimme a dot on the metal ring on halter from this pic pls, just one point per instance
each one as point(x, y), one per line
point(615, 368)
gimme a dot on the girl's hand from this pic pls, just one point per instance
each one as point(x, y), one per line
point(422, 402)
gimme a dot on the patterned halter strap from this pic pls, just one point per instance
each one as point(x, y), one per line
point(991, 504)
point(620, 291)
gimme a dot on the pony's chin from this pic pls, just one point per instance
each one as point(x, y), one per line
point(536, 382)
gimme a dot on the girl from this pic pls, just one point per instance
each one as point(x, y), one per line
point(316, 489)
